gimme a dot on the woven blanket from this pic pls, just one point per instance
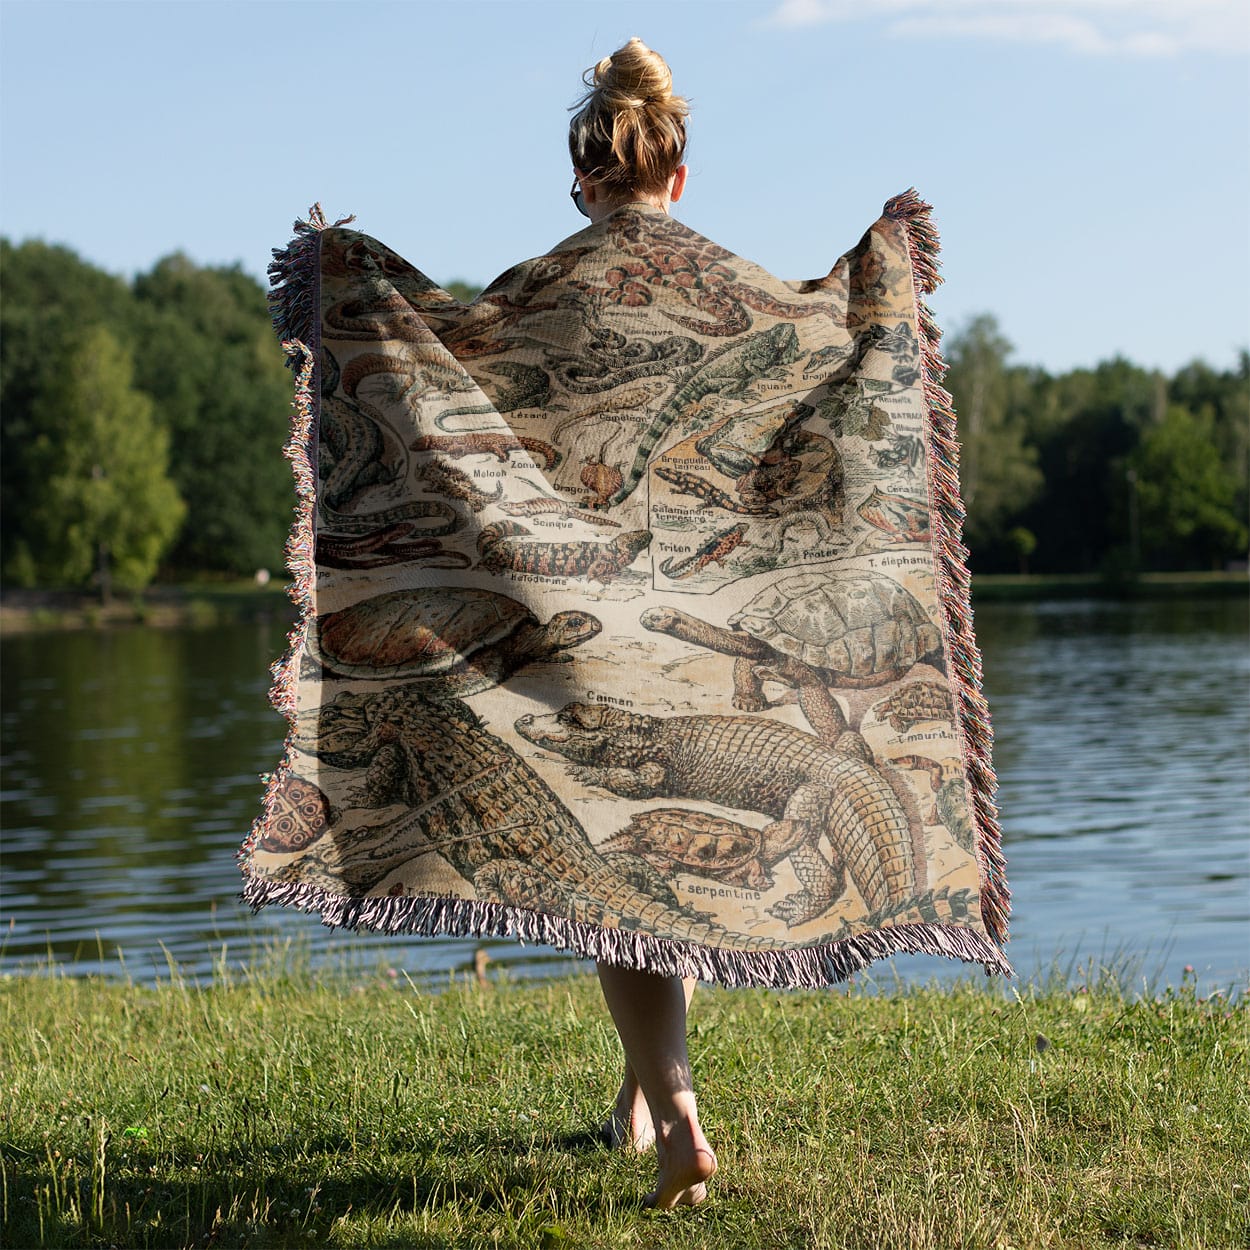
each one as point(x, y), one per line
point(635, 618)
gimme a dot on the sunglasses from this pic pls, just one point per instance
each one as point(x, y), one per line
point(576, 196)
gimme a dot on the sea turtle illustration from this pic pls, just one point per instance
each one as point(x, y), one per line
point(453, 641)
point(812, 631)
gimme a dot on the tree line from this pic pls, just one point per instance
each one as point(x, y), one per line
point(143, 423)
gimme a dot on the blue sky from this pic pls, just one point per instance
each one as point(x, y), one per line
point(1087, 159)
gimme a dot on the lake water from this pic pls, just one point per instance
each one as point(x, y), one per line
point(130, 762)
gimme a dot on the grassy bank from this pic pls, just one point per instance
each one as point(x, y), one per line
point(291, 1111)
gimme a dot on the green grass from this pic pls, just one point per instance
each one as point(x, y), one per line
point(354, 1110)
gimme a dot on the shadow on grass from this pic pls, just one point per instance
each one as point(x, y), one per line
point(256, 1198)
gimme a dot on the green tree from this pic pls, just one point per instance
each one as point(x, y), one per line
point(210, 361)
point(105, 505)
point(997, 467)
point(50, 295)
point(1186, 495)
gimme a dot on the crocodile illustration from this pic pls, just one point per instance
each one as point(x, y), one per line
point(508, 545)
point(730, 371)
point(472, 800)
point(713, 550)
point(498, 443)
point(810, 789)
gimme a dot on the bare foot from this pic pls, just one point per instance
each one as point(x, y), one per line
point(686, 1165)
point(629, 1126)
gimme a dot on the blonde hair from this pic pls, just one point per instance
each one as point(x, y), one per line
point(629, 132)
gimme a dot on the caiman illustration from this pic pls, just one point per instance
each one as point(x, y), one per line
point(812, 631)
point(811, 791)
point(510, 545)
point(499, 444)
point(714, 550)
point(471, 799)
point(730, 371)
point(445, 640)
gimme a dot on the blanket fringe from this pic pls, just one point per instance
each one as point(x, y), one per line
point(807, 967)
point(951, 557)
point(294, 302)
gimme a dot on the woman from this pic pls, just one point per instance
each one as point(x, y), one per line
point(628, 141)
point(620, 633)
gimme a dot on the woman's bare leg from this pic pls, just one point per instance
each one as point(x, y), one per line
point(629, 1125)
point(650, 1015)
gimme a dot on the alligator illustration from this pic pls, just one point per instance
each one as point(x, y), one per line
point(730, 371)
point(713, 550)
point(471, 799)
point(508, 545)
point(810, 789)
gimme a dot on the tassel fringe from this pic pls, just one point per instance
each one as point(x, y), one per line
point(951, 557)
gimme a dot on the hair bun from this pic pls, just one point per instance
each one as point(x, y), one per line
point(629, 131)
point(633, 77)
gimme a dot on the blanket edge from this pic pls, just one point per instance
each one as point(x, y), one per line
point(294, 302)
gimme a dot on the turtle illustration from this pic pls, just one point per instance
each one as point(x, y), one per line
point(696, 842)
point(453, 641)
point(915, 702)
point(813, 631)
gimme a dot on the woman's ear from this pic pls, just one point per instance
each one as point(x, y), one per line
point(678, 185)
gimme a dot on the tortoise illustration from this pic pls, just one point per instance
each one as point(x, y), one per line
point(453, 641)
point(814, 630)
point(915, 702)
point(299, 814)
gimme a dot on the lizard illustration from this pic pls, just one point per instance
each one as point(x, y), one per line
point(509, 545)
point(499, 444)
point(730, 371)
point(810, 789)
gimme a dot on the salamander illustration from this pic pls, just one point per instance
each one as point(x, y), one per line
point(713, 549)
point(684, 483)
point(509, 545)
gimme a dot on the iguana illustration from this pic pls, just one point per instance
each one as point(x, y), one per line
point(730, 371)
